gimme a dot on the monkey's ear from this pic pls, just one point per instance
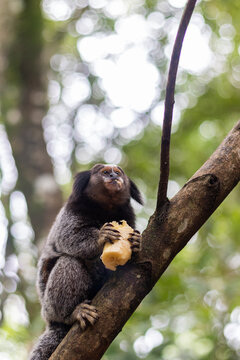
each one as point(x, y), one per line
point(80, 183)
point(135, 193)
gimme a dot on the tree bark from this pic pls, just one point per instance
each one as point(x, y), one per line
point(168, 231)
point(169, 104)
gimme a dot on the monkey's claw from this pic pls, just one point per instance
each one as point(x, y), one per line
point(108, 234)
point(84, 314)
point(135, 241)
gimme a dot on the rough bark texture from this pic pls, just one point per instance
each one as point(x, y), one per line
point(167, 233)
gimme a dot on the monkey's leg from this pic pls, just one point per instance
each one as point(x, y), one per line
point(67, 290)
point(49, 341)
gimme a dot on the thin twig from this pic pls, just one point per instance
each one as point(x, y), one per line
point(169, 103)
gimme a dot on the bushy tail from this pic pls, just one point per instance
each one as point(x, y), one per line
point(48, 341)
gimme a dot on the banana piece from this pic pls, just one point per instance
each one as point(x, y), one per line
point(120, 251)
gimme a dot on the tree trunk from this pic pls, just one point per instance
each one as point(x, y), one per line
point(27, 70)
point(168, 231)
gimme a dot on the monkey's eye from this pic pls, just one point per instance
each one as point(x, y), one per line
point(105, 172)
point(117, 172)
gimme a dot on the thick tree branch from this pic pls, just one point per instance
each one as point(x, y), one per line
point(169, 103)
point(168, 231)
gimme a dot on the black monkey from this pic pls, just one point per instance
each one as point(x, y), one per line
point(70, 271)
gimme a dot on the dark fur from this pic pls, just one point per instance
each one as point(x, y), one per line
point(70, 270)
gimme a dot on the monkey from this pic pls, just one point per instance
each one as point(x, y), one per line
point(70, 271)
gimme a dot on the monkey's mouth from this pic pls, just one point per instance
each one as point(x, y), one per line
point(114, 184)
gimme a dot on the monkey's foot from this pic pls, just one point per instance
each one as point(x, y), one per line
point(108, 234)
point(135, 240)
point(84, 314)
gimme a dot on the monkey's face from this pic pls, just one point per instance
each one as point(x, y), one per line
point(112, 178)
point(108, 183)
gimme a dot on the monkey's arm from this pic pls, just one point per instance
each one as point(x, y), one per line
point(80, 242)
point(77, 236)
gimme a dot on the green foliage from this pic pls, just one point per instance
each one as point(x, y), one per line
point(185, 315)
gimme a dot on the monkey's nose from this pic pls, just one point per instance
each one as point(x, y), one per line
point(113, 175)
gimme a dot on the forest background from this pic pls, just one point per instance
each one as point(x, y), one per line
point(84, 82)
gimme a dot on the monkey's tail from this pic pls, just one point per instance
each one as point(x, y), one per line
point(49, 341)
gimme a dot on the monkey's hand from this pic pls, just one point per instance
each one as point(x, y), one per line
point(108, 234)
point(85, 313)
point(135, 241)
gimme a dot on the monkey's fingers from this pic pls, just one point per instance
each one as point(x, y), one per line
point(82, 321)
point(107, 224)
point(85, 313)
point(103, 238)
point(136, 233)
point(135, 247)
point(135, 236)
point(88, 308)
point(106, 231)
point(113, 236)
point(84, 306)
point(135, 241)
point(91, 316)
point(107, 235)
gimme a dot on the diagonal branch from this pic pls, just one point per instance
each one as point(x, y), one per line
point(185, 214)
point(169, 103)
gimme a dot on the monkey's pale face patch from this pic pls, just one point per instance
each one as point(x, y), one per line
point(108, 185)
point(112, 178)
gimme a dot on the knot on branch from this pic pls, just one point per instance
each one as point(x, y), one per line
point(210, 183)
point(213, 181)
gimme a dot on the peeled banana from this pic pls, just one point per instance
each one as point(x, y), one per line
point(120, 251)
